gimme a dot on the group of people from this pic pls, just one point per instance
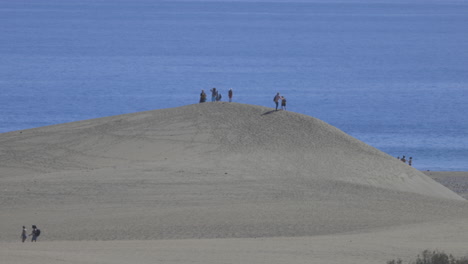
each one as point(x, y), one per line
point(403, 159)
point(215, 95)
point(35, 233)
point(277, 98)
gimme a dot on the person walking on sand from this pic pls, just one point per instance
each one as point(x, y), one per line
point(276, 100)
point(202, 96)
point(24, 234)
point(214, 94)
point(35, 233)
point(230, 95)
point(283, 103)
point(410, 161)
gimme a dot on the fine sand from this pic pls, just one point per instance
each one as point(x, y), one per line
point(218, 183)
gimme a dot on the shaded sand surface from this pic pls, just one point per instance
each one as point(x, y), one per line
point(216, 183)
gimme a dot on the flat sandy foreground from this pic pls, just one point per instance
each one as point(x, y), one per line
point(219, 183)
point(376, 246)
point(369, 246)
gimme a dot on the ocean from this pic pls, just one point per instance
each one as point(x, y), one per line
point(393, 74)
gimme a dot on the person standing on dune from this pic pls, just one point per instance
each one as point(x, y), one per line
point(214, 94)
point(276, 100)
point(202, 96)
point(230, 95)
point(283, 103)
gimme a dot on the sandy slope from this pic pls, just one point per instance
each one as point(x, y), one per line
point(214, 170)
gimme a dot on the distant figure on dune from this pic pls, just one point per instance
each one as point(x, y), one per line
point(230, 95)
point(276, 100)
point(214, 93)
point(202, 96)
point(24, 234)
point(410, 161)
point(218, 96)
point(35, 233)
point(283, 103)
point(403, 159)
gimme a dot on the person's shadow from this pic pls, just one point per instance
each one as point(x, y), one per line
point(269, 112)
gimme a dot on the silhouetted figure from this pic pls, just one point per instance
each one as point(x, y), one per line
point(202, 96)
point(230, 93)
point(214, 93)
point(276, 100)
point(283, 103)
point(35, 233)
point(410, 161)
point(403, 159)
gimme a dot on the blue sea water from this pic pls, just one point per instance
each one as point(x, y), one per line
point(393, 74)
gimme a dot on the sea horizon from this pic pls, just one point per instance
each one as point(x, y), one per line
point(392, 74)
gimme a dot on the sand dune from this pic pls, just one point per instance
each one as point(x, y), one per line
point(212, 137)
point(214, 170)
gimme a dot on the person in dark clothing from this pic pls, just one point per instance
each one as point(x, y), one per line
point(202, 96)
point(230, 93)
point(283, 103)
point(403, 159)
point(276, 100)
point(35, 233)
